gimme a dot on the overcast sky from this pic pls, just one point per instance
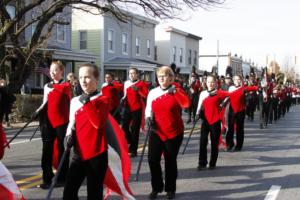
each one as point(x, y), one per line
point(251, 28)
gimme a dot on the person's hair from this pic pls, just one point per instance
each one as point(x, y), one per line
point(59, 64)
point(135, 69)
point(238, 76)
point(70, 75)
point(110, 74)
point(94, 67)
point(166, 70)
point(212, 76)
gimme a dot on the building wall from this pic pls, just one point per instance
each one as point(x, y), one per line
point(52, 40)
point(192, 44)
point(162, 42)
point(110, 23)
point(178, 41)
point(145, 31)
point(94, 34)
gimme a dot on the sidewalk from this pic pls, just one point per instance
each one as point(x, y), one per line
point(19, 125)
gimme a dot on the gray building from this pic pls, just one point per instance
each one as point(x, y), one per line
point(118, 45)
point(57, 46)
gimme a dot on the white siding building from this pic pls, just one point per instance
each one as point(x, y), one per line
point(176, 46)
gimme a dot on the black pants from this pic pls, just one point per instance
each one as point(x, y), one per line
point(94, 169)
point(49, 134)
point(193, 108)
point(131, 126)
point(215, 131)
point(238, 119)
point(170, 149)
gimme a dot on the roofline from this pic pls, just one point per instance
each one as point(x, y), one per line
point(140, 17)
point(175, 30)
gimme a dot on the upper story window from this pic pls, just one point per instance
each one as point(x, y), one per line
point(11, 11)
point(155, 53)
point(82, 40)
point(190, 57)
point(180, 55)
point(174, 54)
point(148, 48)
point(196, 57)
point(137, 45)
point(110, 40)
point(124, 43)
point(61, 31)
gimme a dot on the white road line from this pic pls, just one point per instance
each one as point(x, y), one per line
point(24, 141)
point(273, 192)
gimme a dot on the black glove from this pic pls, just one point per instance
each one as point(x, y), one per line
point(172, 90)
point(197, 117)
point(84, 98)
point(68, 143)
point(34, 115)
point(50, 85)
point(134, 88)
point(150, 122)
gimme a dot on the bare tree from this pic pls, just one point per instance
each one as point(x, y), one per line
point(23, 53)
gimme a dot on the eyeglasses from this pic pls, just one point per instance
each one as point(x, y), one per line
point(162, 76)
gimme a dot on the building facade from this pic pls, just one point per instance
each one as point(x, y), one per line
point(118, 45)
point(56, 47)
point(176, 46)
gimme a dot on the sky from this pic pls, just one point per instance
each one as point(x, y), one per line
point(253, 29)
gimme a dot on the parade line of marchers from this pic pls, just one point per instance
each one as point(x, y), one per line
point(102, 128)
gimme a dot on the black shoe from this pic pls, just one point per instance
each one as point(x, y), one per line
point(201, 167)
point(153, 194)
point(44, 186)
point(170, 195)
point(212, 167)
point(237, 149)
point(60, 184)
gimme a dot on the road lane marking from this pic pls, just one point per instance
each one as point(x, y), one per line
point(273, 192)
point(25, 187)
point(25, 180)
point(24, 141)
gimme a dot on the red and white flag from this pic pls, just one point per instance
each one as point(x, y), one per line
point(8, 187)
point(118, 171)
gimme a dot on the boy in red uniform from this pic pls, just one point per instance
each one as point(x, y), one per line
point(208, 110)
point(55, 107)
point(86, 130)
point(112, 89)
point(135, 92)
point(237, 113)
point(163, 113)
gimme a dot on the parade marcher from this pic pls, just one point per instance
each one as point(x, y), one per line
point(208, 110)
point(135, 93)
point(4, 101)
point(56, 102)
point(86, 132)
point(194, 92)
point(251, 97)
point(163, 114)
point(112, 89)
point(237, 113)
point(76, 89)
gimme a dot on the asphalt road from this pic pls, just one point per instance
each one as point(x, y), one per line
point(268, 168)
